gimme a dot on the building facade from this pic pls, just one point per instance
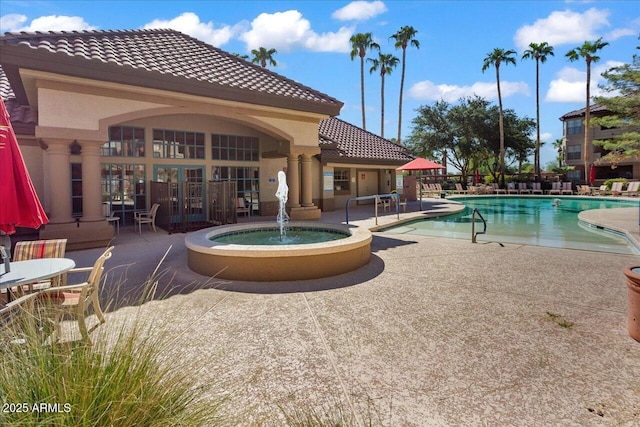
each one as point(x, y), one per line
point(573, 150)
point(99, 115)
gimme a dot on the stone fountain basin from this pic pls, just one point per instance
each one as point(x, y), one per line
point(272, 263)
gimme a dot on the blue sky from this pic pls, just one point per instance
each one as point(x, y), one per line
point(312, 39)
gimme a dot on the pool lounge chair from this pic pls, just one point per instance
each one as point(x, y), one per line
point(536, 188)
point(511, 188)
point(556, 188)
point(495, 188)
point(632, 189)
point(616, 188)
point(567, 188)
point(460, 190)
point(522, 188)
point(583, 190)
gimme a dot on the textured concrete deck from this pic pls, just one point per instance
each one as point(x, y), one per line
point(433, 331)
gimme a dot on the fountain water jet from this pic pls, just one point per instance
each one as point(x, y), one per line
point(282, 195)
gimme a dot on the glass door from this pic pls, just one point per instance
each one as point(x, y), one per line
point(186, 191)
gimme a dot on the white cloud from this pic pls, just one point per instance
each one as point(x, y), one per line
point(570, 83)
point(427, 90)
point(359, 11)
point(189, 23)
point(620, 32)
point(14, 22)
point(562, 27)
point(545, 136)
point(285, 31)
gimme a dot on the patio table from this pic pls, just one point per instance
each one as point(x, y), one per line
point(33, 270)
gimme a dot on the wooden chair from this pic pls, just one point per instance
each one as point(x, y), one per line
point(76, 300)
point(241, 206)
point(147, 217)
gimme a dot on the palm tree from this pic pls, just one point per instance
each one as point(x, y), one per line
point(539, 52)
point(587, 51)
point(495, 58)
point(262, 56)
point(360, 43)
point(404, 37)
point(385, 62)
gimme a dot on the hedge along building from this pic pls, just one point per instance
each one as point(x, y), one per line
point(101, 114)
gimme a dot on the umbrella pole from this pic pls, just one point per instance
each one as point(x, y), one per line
point(420, 190)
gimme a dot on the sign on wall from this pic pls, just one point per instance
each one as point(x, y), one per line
point(399, 183)
point(327, 181)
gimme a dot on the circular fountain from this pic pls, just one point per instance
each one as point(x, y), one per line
point(265, 252)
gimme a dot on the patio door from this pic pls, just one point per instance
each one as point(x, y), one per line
point(368, 181)
point(186, 191)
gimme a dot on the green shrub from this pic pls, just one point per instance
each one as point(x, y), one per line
point(610, 182)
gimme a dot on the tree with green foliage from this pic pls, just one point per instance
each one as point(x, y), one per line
point(360, 44)
point(624, 81)
point(466, 133)
point(495, 58)
point(539, 52)
point(263, 56)
point(384, 64)
point(587, 51)
point(404, 37)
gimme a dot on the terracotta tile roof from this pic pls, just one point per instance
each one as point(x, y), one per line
point(170, 53)
point(343, 142)
point(580, 112)
point(18, 114)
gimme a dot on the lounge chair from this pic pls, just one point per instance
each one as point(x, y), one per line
point(147, 217)
point(536, 188)
point(616, 188)
point(460, 190)
point(567, 188)
point(632, 189)
point(583, 190)
point(556, 188)
point(602, 191)
point(75, 300)
point(522, 188)
point(511, 188)
point(495, 188)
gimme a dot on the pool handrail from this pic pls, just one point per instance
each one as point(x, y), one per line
point(376, 197)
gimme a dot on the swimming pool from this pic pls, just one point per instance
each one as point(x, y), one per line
point(527, 220)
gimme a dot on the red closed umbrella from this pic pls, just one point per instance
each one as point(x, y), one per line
point(19, 203)
point(592, 174)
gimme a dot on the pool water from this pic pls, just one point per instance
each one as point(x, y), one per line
point(527, 220)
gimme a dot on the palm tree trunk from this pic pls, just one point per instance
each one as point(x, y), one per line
point(536, 162)
point(501, 128)
point(382, 107)
point(404, 57)
point(364, 121)
point(587, 126)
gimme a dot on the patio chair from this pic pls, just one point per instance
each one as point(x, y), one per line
point(495, 188)
point(241, 206)
point(584, 190)
point(108, 215)
point(567, 188)
point(37, 249)
point(76, 300)
point(460, 190)
point(147, 217)
point(632, 189)
point(602, 191)
point(536, 188)
point(384, 203)
point(556, 188)
point(616, 188)
point(522, 188)
point(511, 188)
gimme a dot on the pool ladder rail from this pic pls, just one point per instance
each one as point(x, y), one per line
point(473, 225)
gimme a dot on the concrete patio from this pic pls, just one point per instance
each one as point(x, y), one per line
point(433, 331)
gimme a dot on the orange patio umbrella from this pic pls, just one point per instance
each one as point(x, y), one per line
point(19, 203)
point(420, 164)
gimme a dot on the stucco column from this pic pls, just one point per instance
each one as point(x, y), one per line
point(293, 181)
point(91, 189)
point(307, 199)
point(59, 182)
